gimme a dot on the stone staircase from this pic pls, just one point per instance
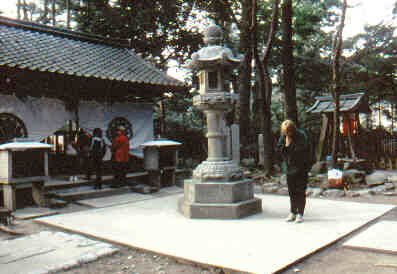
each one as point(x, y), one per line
point(62, 189)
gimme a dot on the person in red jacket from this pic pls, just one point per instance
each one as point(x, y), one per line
point(120, 154)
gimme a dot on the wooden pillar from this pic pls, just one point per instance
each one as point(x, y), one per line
point(392, 117)
point(323, 135)
point(358, 122)
point(379, 114)
point(56, 143)
point(46, 173)
point(349, 139)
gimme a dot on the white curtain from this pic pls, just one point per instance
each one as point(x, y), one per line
point(41, 116)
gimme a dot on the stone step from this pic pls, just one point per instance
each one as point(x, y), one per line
point(64, 183)
point(85, 192)
point(82, 190)
point(59, 190)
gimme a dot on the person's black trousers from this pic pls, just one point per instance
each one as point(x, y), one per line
point(85, 165)
point(97, 166)
point(120, 172)
point(297, 184)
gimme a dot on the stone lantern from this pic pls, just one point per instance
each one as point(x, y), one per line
point(217, 188)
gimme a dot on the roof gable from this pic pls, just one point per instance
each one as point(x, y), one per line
point(353, 102)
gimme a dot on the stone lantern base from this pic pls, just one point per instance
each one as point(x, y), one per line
point(219, 200)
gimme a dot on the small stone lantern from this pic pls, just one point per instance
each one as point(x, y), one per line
point(217, 188)
point(23, 162)
point(160, 161)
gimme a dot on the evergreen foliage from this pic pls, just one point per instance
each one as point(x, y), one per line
point(168, 30)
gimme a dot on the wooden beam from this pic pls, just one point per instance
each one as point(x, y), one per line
point(349, 139)
point(323, 134)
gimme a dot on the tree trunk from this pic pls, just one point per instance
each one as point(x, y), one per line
point(245, 74)
point(257, 111)
point(267, 127)
point(25, 11)
point(19, 9)
point(68, 14)
point(336, 85)
point(162, 119)
point(265, 92)
point(288, 63)
point(45, 15)
point(53, 12)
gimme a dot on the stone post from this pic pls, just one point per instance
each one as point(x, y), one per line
point(10, 201)
point(261, 150)
point(236, 143)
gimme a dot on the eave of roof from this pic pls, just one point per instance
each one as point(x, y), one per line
point(36, 47)
point(352, 102)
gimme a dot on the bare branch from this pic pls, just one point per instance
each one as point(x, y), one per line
point(338, 47)
point(335, 87)
point(273, 30)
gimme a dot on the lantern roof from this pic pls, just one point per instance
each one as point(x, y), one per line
point(160, 142)
point(19, 144)
point(213, 54)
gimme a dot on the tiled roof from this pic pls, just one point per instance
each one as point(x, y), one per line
point(30, 46)
point(348, 103)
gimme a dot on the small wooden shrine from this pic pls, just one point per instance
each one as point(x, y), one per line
point(351, 105)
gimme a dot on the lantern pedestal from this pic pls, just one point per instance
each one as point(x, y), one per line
point(231, 200)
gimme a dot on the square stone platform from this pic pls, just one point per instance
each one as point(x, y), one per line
point(262, 243)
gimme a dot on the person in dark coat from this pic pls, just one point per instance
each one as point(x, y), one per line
point(97, 152)
point(83, 149)
point(293, 146)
